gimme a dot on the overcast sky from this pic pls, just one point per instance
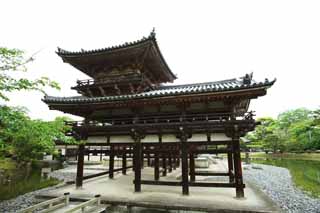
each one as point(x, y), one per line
point(200, 40)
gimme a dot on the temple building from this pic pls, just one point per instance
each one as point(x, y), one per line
point(131, 113)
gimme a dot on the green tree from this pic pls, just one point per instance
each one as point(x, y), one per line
point(26, 139)
point(12, 61)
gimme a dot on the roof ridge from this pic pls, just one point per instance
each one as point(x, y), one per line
point(151, 37)
point(197, 84)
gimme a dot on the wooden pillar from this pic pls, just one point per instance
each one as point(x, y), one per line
point(148, 156)
point(156, 165)
point(230, 164)
point(111, 161)
point(192, 167)
point(137, 164)
point(132, 159)
point(88, 153)
point(79, 178)
point(238, 168)
point(100, 153)
point(174, 163)
point(170, 160)
point(164, 165)
point(142, 157)
point(124, 160)
point(184, 161)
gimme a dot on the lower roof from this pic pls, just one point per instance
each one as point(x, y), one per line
point(230, 85)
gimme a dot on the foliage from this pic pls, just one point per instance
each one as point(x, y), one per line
point(26, 139)
point(295, 130)
point(12, 61)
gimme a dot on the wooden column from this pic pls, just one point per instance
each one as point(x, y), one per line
point(142, 157)
point(124, 160)
point(170, 162)
point(132, 159)
point(164, 165)
point(148, 156)
point(230, 164)
point(174, 163)
point(184, 161)
point(238, 168)
point(88, 153)
point(111, 161)
point(156, 165)
point(156, 159)
point(79, 178)
point(192, 167)
point(137, 164)
point(100, 153)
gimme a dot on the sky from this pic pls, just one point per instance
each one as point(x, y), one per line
point(200, 40)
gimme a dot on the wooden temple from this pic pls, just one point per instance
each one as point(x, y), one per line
point(131, 114)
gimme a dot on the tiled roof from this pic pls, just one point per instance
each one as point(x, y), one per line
point(80, 59)
point(63, 52)
point(175, 90)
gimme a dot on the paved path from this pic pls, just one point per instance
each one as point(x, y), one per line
point(120, 191)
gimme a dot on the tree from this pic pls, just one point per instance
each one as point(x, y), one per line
point(11, 61)
point(26, 139)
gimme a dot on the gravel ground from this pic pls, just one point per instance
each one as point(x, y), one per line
point(277, 184)
point(274, 181)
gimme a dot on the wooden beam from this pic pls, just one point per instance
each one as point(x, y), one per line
point(212, 173)
point(165, 183)
point(208, 184)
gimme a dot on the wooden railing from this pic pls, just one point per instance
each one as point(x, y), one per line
point(49, 205)
point(150, 119)
point(55, 205)
point(89, 82)
point(89, 206)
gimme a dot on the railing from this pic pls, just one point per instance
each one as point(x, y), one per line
point(49, 205)
point(88, 206)
point(152, 119)
point(112, 80)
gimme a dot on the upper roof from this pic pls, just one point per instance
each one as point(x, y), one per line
point(230, 85)
point(142, 54)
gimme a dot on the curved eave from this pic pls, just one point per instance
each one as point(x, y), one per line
point(111, 99)
point(69, 56)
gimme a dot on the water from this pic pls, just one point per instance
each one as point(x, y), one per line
point(20, 179)
point(305, 173)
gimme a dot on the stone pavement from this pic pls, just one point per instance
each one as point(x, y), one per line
point(120, 191)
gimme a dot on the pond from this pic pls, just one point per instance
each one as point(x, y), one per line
point(16, 180)
point(305, 173)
